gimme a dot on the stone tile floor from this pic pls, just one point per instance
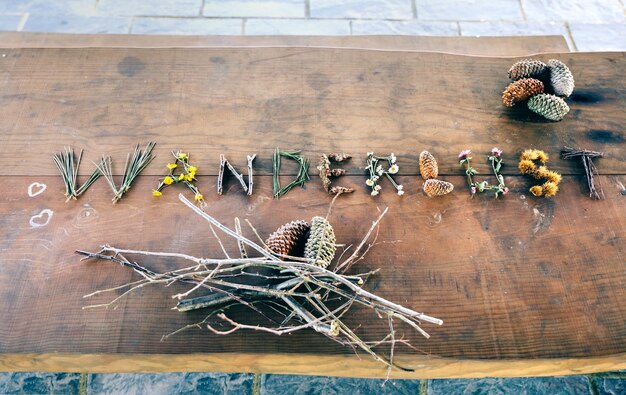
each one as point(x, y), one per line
point(588, 25)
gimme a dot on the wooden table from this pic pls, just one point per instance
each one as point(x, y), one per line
point(525, 286)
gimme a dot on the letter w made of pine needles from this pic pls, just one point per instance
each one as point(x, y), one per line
point(289, 287)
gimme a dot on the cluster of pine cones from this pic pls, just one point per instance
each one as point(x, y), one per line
point(429, 171)
point(532, 78)
point(300, 239)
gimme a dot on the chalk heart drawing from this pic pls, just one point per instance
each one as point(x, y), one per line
point(42, 219)
point(36, 188)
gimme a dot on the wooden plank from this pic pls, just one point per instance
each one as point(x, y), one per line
point(331, 365)
point(239, 101)
point(519, 278)
point(493, 46)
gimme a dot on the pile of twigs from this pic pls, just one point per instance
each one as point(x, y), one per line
point(291, 293)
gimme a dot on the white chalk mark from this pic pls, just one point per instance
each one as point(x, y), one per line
point(36, 188)
point(42, 219)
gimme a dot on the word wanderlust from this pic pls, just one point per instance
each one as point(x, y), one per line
point(378, 170)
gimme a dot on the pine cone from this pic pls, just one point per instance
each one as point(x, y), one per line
point(428, 165)
point(321, 243)
point(561, 78)
point(521, 90)
point(549, 106)
point(437, 187)
point(289, 239)
point(527, 68)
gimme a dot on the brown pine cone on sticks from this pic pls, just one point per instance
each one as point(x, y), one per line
point(289, 239)
point(561, 78)
point(527, 68)
point(521, 90)
point(428, 165)
point(434, 187)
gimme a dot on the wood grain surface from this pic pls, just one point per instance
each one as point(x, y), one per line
point(493, 46)
point(519, 278)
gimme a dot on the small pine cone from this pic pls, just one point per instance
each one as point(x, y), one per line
point(428, 165)
point(549, 106)
point(437, 187)
point(289, 239)
point(527, 68)
point(561, 78)
point(521, 90)
point(321, 242)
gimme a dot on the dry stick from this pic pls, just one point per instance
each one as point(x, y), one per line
point(237, 175)
point(220, 175)
point(242, 247)
point(359, 291)
point(348, 262)
point(585, 156)
point(250, 183)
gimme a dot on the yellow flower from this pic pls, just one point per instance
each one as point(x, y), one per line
point(198, 197)
point(553, 177)
point(182, 156)
point(168, 180)
point(526, 166)
point(157, 193)
point(192, 169)
point(536, 190)
point(550, 189)
point(189, 177)
point(181, 177)
point(172, 166)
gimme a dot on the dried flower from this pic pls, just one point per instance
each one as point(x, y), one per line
point(325, 172)
point(465, 153)
point(496, 163)
point(400, 192)
point(527, 166)
point(375, 170)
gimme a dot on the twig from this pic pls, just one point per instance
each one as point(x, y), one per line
point(586, 158)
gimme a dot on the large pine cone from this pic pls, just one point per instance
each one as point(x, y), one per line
point(321, 243)
point(527, 68)
point(521, 90)
point(428, 165)
point(561, 78)
point(289, 239)
point(549, 106)
point(437, 187)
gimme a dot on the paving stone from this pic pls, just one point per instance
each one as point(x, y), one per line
point(39, 383)
point(149, 7)
point(48, 7)
point(135, 384)
point(255, 8)
point(9, 22)
point(515, 29)
point(406, 27)
point(590, 37)
point(273, 384)
point(469, 10)
point(560, 385)
point(216, 383)
point(187, 26)
point(609, 386)
point(574, 10)
point(77, 24)
point(362, 9)
point(296, 27)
